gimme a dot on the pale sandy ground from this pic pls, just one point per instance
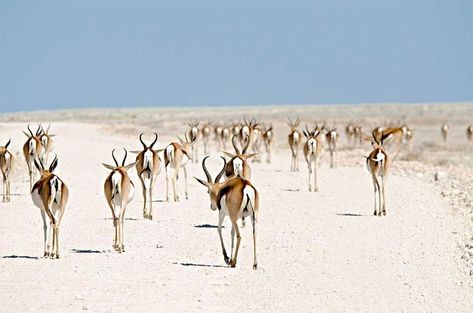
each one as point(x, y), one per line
point(317, 252)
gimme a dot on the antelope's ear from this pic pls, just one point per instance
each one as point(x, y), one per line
point(135, 151)
point(108, 166)
point(127, 167)
point(229, 154)
point(249, 156)
point(51, 135)
point(305, 134)
point(26, 134)
point(180, 140)
point(160, 150)
point(8, 143)
point(203, 182)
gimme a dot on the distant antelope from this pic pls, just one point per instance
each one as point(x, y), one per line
point(294, 140)
point(50, 195)
point(193, 133)
point(238, 165)
point(205, 132)
point(444, 130)
point(250, 129)
point(218, 136)
point(469, 132)
point(6, 167)
point(268, 136)
point(46, 140)
point(225, 136)
point(350, 133)
point(176, 156)
point(378, 164)
point(393, 135)
point(358, 134)
point(119, 191)
point(312, 152)
point(331, 138)
point(148, 166)
point(32, 149)
point(236, 198)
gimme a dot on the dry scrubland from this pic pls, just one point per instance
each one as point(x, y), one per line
point(316, 251)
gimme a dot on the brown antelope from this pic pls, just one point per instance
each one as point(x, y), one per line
point(268, 136)
point(205, 132)
point(350, 133)
point(218, 136)
point(176, 156)
point(312, 151)
point(50, 195)
point(331, 137)
point(46, 140)
point(294, 140)
point(148, 166)
point(6, 167)
point(194, 133)
point(469, 132)
point(444, 130)
point(250, 129)
point(119, 191)
point(237, 198)
point(238, 165)
point(378, 164)
point(358, 134)
point(225, 136)
point(32, 149)
point(392, 135)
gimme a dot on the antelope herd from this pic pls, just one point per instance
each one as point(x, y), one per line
point(231, 192)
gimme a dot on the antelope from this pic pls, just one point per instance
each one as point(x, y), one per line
point(251, 131)
point(332, 142)
point(176, 156)
point(378, 164)
point(469, 132)
point(119, 192)
point(268, 136)
point(218, 135)
point(444, 130)
point(148, 166)
point(46, 140)
point(225, 136)
point(32, 149)
point(294, 140)
point(6, 166)
point(237, 198)
point(358, 134)
point(205, 131)
point(350, 133)
point(194, 133)
point(50, 195)
point(236, 128)
point(398, 136)
point(312, 151)
point(237, 165)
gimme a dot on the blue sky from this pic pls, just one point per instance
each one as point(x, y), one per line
point(108, 53)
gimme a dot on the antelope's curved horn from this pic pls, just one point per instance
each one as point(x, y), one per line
point(113, 156)
point(207, 174)
point(247, 139)
point(142, 142)
point(29, 129)
point(155, 139)
point(234, 138)
point(124, 158)
point(221, 172)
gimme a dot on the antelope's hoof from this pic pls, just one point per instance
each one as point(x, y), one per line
point(227, 259)
point(255, 266)
point(57, 256)
point(384, 213)
point(232, 263)
point(46, 255)
point(316, 189)
point(176, 199)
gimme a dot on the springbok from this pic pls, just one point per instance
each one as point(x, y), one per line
point(396, 135)
point(205, 132)
point(378, 164)
point(194, 133)
point(312, 151)
point(358, 135)
point(444, 130)
point(32, 149)
point(350, 133)
point(225, 136)
point(469, 132)
point(46, 140)
point(294, 140)
point(238, 165)
point(237, 198)
point(250, 129)
point(331, 138)
point(119, 191)
point(6, 167)
point(176, 156)
point(268, 136)
point(50, 195)
point(148, 166)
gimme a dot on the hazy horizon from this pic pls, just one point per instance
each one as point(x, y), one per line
point(123, 54)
